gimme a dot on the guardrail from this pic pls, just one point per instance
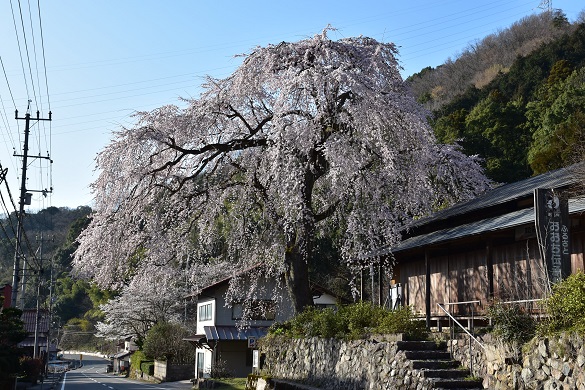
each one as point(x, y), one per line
point(453, 320)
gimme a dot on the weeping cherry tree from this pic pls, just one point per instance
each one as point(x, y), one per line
point(304, 139)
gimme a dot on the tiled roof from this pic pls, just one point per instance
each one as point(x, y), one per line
point(29, 318)
point(521, 189)
point(560, 178)
point(506, 221)
point(30, 342)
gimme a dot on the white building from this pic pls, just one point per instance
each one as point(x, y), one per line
point(220, 343)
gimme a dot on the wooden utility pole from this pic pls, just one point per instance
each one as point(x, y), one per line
point(39, 316)
point(24, 200)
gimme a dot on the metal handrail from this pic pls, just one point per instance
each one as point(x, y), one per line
point(457, 322)
point(458, 303)
point(471, 336)
point(531, 309)
point(524, 300)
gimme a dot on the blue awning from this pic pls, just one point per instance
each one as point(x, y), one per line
point(217, 333)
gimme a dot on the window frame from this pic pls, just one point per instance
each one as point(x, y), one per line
point(207, 309)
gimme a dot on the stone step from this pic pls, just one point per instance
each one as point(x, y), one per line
point(427, 355)
point(420, 346)
point(459, 388)
point(435, 364)
point(449, 373)
point(452, 384)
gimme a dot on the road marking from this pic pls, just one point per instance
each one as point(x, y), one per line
point(64, 379)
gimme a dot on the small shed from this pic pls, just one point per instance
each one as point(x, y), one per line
point(122, 362)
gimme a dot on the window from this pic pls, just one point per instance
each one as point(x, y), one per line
point(200, 364)
point(205, 312)
point(255, 310)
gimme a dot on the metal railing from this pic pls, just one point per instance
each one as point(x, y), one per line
point(469, 332)
point(523, 301)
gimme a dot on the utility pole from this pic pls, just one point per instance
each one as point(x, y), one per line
point(40, 315)
point(24, 200)
point(38, 312)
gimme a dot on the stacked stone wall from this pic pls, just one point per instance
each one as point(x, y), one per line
point(373, 363)
point(545, 363)
point(376, 363)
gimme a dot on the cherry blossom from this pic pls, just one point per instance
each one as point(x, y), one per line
point(308, 138)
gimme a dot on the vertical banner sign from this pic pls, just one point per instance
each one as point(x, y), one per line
point(552, 231)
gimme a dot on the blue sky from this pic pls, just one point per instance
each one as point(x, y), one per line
point(97, 62)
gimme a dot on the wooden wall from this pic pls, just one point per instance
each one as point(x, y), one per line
point(463, 275)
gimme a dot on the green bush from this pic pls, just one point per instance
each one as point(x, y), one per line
point(164, 341)
point(319, 323)
point(147, 367)
point(350, 322)
point(565, 308)
point(511, 322)
point(362, 318)
point(136, 362)
point(402, 321)
point(31, 368)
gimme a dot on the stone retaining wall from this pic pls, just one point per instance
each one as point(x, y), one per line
point(374, 363)
point(549, 363)
point(171, 372)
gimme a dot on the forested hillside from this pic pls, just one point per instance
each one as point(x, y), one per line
point(48, 235)
point(517, 98)
point(51, 235)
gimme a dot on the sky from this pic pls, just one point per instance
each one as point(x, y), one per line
point(95, 63)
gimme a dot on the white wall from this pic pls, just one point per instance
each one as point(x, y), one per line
point(211, 322)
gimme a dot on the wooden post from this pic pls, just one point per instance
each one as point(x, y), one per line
point(361, 284)
point(489, 263)
point(380, 284)
point(428, 289)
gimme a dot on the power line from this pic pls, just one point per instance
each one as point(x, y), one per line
point(12, 143)
point(19, 50)
point(7, 82)
point(44, 58)
point(50, 141)
point(27, 54)
point(35, 56)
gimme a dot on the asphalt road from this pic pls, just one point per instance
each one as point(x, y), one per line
point(92, 376)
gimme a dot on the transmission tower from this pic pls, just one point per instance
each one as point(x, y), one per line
point(546, 5)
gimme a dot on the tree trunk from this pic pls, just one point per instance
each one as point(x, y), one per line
point(297, 279)
point(300, 242)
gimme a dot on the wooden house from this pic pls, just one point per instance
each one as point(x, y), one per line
point(36, 323)
point(488, 248)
